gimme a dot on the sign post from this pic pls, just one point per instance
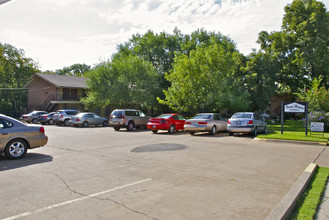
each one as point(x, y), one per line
point(294, 107)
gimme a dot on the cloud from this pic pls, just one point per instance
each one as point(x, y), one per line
point(60, 33)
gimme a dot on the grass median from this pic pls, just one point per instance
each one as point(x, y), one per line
point(293, 130)
point(308, 203)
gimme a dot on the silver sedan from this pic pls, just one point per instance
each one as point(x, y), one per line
point(88, 118)
point(16, 137)
point(209, 122)
point(246, 122)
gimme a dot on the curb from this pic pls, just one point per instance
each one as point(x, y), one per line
point(291, 141)
point(286, 206)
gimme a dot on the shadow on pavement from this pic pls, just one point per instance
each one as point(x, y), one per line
point(28, 160)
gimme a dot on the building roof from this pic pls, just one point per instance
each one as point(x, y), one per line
point(62, 81)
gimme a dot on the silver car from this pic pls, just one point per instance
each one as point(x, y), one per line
point(209, 122)
point(63, 116)
point(16, 137)
point(32, 116)
point(88, 118)
point(128, 118)
point(246, 122)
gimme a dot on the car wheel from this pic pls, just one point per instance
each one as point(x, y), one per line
point(213, 130)
point(51, 121)
point(171, 129)
point(155, 131)
point(85, 124)
point(192, 133)
point(116, 128)
point(105, 123)
point(66, 122)
point(230, 133)
point(34, 120)
point(130, 126)
point(16, 149)
point(255, 133)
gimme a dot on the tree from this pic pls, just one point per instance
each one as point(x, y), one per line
point(316, 95)
point(260, 79)
point(15, 73)
point(300, 49)
point(73, 70)
point(205, 80)
point(126, 80)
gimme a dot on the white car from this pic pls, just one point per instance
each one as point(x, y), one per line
point(246, 122)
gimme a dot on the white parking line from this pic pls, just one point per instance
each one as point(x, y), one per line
point(74, 200)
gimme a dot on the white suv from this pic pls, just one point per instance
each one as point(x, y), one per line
point(128, 118)
point(63, 116)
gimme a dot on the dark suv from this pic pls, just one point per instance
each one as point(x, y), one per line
point(63, 116)
point(128, 118)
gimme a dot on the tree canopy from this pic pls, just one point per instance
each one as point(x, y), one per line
point(15, 73)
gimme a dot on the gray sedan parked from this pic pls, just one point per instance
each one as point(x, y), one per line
point(246, 122)
point(16, 137)
point(210, 122)
point(88, 118)
point(32, 116)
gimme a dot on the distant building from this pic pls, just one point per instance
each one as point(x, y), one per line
point(50, 92)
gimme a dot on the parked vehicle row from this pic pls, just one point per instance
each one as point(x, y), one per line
point(240, 122)
point(16, 137)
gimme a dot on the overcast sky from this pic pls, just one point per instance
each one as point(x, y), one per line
point(58, 33)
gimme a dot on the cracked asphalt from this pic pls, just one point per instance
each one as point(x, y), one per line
point(97, 173)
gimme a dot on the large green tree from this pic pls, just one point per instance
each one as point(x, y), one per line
point(126, 80)
point(15, 73)
point(206, 80)
point(300, 49)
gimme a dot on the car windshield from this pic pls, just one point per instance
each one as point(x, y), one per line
point(242, 115)
point(202, 116)
point(164, 116)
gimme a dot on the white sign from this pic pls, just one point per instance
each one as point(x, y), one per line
point(317, 126)
point(294, 108)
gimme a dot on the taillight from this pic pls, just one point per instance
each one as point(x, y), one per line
point(228, 122)
point(250, 122)
point(203, 123)
point(62, 116)
point(44, 116)
point(188, 123)
point(123, 117)
point(42, 129)
point(77, 119)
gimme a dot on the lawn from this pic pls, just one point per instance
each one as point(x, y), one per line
point(307, 205)
point(293, 130)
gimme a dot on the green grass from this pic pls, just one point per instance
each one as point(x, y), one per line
point(293, 130)
point(307, 205)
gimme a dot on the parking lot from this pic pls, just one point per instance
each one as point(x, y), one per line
point(99, 173)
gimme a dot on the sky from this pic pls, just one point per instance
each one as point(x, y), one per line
point(60, 33)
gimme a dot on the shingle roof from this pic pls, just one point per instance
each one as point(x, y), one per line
point(62, 81)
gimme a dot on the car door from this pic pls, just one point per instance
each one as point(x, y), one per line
point(218, 122)
point(180, 122)
point(5, 133)
point(259, 123)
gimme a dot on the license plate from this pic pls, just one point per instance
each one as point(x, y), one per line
point(154, 126)
point(238, 123)
point(194, 123)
